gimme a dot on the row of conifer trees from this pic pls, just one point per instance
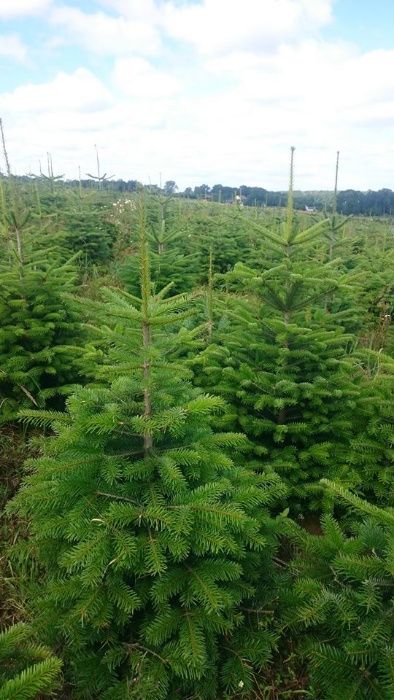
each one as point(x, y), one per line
point(209, 511)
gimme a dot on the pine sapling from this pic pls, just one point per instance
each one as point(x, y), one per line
point(149, 534)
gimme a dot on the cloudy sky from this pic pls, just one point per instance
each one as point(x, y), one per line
point(212, 91)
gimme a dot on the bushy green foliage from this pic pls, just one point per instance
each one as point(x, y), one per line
point(39, 331)
point(88, 231)
point(282, 360)
point(172, 258)
point(228, 235)
point(340, 606)
point(367, 256)
point(152, 562)
point(28, 670)
point(150, 535)
point(371, 454)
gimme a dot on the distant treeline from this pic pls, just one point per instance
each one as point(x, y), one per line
point(370, 203)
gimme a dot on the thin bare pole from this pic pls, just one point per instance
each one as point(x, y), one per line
point(290, 196)
point(98, 163)
point(334, 212)
point(7, 162)
point(336, 183)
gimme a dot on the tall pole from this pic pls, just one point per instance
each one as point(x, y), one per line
point(7, 162)
point(336, 184)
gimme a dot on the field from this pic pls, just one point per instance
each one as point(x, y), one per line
point(196, 448)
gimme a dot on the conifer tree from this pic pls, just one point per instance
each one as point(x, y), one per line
point(282, 360)
point(171, 257)
point(38, 330)
point(374, 305)
point(149, 534)
point(28, 670)
point(89, 232)
point(335, 223)
point(224, 232)
point(339, 609)
point(371, 453)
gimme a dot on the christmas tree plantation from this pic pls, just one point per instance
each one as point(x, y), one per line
point(204, 395)
point(150, 536)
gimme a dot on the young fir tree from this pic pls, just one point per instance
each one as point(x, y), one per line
point(38, 329)
point(88, 231)
point(367, 257)
point(375, 300)
point(338, 605)
point(224, 232)
point(371, 453)
point(171, 257)
point(27, 670)
point(149, 534)
point(281, 361)
point(335, 223)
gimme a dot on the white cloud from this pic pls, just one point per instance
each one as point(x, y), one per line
point(19, 8)
point(136, 77)
point(67, 115)
point(11, 46)
point(314, 88)
point(213, 27)
point(147, 10)
point(145, 121)
point(216, 26)
point(103, 34)
point(223, 100)
point(80, 90)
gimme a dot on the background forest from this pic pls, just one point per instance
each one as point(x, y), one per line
point(370, 203)
point(196, 447)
